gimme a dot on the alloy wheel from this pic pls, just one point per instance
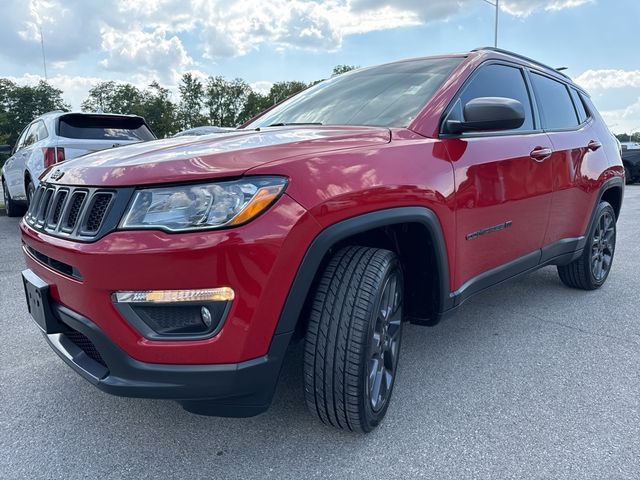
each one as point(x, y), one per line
point(602, 246)
point(385, 342)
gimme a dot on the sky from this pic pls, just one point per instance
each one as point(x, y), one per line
point(264, 41)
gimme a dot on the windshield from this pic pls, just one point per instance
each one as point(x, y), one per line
point(388, 96)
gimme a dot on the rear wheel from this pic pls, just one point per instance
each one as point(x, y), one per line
point(31, 190)
point(12, 208)
point(353, 338)
point(591, 270)
point(627, 175)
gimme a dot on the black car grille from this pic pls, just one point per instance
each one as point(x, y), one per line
point(81, 213)
point(86, 345)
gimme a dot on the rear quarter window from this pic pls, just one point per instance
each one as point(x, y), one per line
point(93, 127)
point(583, 114)
point(558, 111)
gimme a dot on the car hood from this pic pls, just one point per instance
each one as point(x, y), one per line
point(199, 158)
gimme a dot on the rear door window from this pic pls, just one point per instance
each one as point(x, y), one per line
point(555, 102)
point(99, 127)
point(496, 80)
point(32, 135)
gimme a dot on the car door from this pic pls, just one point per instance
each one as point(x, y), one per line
point(503, 185)
point(14, 168)
point(577, 156)
point(34, 163)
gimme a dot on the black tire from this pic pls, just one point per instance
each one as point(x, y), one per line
point(12, 208)
point(31, 191)
point(591, 270)
point(627, 176)
point(352, 346)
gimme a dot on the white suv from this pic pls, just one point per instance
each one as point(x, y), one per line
point(58, 136)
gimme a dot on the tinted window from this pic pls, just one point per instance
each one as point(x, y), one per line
point(97, 127)
point(32, 135)
point(40, 131)
point(580, 108)
point(555, 102)
point(20, 142)
point(389, 96)
point(496, 81)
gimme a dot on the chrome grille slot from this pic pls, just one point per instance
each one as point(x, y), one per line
point(45, 203)
point(97, 210)
point(81, 213)
point(73, 210)
point(35, 203)
point(61, 197)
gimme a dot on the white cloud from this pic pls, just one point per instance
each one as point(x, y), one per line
point(606, 79)
point(262, 86)
point(624, 120)
point(524, 8)
point(154, 53)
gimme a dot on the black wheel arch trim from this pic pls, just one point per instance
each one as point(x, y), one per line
point(344, 229)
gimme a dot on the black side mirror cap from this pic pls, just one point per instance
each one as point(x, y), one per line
point(5, 149)
point(489, 114)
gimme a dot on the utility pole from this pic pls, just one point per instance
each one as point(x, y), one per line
point(496, 4)
point(496, 33)
point(44, 61)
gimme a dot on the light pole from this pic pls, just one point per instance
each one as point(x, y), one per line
point(44, 61)
point(496, 4)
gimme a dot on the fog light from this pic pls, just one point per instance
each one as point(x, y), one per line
point(206, 317)
point(220, 294)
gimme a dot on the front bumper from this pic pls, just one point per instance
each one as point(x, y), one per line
point(237, 389)
point(258, 261)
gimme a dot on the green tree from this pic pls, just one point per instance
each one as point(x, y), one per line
point(255, 104)
point(226, 101)
point(191, 102)
point(20, 104)
point(159, 111)
point(112, 97)
point(340, 69)
point(282, 90)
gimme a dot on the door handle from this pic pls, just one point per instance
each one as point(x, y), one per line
point(594, 145)
point(540, 154)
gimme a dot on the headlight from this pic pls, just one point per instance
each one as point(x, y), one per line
point(202, 206)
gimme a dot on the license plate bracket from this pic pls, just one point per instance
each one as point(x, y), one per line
point(37, 294)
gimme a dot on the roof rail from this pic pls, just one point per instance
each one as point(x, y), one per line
point(522, 57)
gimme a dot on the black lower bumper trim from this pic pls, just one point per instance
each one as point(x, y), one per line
point(240, 389)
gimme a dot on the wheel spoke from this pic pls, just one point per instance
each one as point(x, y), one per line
point(376, 385)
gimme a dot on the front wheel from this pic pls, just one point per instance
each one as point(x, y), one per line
point(353, 338)
point(12, 208)
point(591, 270)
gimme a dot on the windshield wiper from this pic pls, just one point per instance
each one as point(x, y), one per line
point(287, 124)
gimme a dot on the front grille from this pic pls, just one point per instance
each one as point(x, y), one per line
point(86, 345)
point(57, 209)
point(80, 213)
point(99, 205)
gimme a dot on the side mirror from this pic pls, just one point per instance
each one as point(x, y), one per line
point(5, 149)
point(488, 114)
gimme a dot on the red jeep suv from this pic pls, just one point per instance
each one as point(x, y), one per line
point(183, 268)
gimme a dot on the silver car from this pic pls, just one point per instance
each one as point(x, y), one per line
point(58, 136)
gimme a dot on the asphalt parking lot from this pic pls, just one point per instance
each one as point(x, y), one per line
point(529, 380)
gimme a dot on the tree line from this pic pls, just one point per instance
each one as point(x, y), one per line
point(214, 100)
